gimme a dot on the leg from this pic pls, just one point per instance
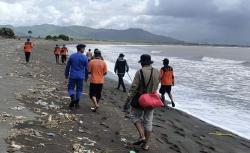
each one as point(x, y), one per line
point(56, 57)
point(92, 95)
point(26, 57)
point(136, 119)
point(123, 85)
point(99, 92)
point(148, 125)
point(119, 82)
point(71, 91)
point(79, 88)
point(171, 98)
point(162, 92)
point(140, 130)
point(62, 58)
point(170, 95)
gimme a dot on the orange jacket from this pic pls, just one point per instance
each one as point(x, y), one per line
point(97, 68)
point(27, 47)
point(64, 51)
point(57, 51)
point(167, 75)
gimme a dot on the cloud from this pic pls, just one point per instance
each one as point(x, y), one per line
point(190, 20)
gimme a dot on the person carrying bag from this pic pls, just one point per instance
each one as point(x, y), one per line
point(144, 99)
point(142, 117)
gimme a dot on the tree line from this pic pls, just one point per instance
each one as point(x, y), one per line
point(9, 33)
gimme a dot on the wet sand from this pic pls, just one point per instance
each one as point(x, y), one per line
point(40, 87)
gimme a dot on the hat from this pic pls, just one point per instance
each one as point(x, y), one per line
point(145, 59)
point(121, 55)
point(80, 46)
point(165, 60)
point(97, 52)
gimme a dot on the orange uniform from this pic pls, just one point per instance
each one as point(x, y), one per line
point(97, 68)
point(27, 47)
point(57, 51)
point(167, 76)
point(64, 51)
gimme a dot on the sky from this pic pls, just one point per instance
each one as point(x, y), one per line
point(222, 21)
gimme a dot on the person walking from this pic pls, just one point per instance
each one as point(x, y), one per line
point(76, 71)
point(89, 55)
point(97, 69)
point(28, 46)
point(121, 66)
point(143, 117)
point(167, 81)
point(57, 51)
point(64, 51)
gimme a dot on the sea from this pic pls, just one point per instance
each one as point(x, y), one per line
point(211, 83)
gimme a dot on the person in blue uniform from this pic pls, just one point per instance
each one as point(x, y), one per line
point(76, 71)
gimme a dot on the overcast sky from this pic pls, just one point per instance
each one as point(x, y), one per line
point(190, 20)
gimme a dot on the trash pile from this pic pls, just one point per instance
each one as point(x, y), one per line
point(11, 119)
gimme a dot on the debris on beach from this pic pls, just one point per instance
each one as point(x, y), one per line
point(14, 147)
point(78, 148)
point(19, 108)
point(27, 132)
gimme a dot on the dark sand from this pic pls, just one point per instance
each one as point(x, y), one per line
point(56, 130)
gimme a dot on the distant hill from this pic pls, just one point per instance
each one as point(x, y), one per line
point(82, 32)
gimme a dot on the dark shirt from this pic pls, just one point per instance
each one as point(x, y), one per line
point(121, 66)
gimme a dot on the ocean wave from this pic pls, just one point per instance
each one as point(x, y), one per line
point(246, 63)
point(220, 60)
point(155, 52)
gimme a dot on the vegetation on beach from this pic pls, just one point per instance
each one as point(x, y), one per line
point(61, 36)
point(7, 32)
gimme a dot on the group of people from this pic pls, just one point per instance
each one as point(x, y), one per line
point(80, 66)
point(61, 51)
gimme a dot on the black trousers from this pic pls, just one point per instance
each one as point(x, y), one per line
point(27, 57)
point(121, 82)
point(57, 58)
point(64, 58)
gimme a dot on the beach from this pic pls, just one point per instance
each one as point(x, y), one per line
point(47, 126)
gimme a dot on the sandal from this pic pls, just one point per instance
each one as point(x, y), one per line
point(145, 146)
point(139, 142)
point(94, 109)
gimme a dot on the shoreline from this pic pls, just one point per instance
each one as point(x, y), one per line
point(174, 130)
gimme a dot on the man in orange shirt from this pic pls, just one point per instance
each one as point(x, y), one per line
point(167, 81)
point(27, 50)
point(57, 51)
point(64, 52)
point(97, 69)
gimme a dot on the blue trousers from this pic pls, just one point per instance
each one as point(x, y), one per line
point(75, 88)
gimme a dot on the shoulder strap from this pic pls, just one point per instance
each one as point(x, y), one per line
point(143, 80)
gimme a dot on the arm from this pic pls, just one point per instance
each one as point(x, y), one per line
point(86, 69)
point(127, 68)
point(173, 77)
point(105, 69)
point(135, 85)
point(115, 69)
point(89, 67)
point(67, 69)
point(161, 74)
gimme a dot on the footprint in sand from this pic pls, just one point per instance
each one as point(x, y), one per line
point(160, 119)
point(180, 133)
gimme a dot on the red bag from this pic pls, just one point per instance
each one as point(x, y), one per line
point(150, 100)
